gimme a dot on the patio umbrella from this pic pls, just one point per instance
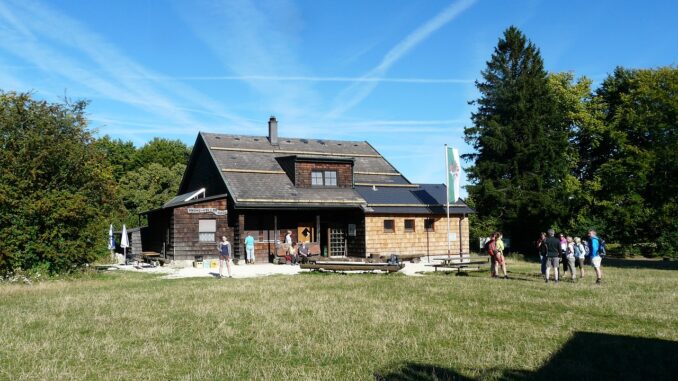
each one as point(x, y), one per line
point(124, 240)
point(111, 241)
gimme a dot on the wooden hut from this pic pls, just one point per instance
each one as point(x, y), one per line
point(343, 197)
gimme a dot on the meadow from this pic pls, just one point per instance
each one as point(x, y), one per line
point(129, 326)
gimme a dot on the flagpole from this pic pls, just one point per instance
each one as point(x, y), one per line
point(447, 182)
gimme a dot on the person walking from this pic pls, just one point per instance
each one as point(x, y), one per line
point(595, 244)
point(491, 248)
point(579, 255)
point(552, 252)
point(249, 248)
point(501, 261)
point(541, 250)
point(569, 255)
point(224, 248)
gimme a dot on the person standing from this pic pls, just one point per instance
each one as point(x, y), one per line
point(249, 248)
point(541, 250)
point(289, 247)
point(552, 252)
point(563, 250)
point(594, 244)
point(579, 255)
point(569, 255)
point(501, 261)
point(224, 256)
point(491, 247)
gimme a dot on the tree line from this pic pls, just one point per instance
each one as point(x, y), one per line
point(61, 186)
point(553, 151)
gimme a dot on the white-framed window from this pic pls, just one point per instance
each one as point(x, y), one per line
point(324, 178)
point(317, 178)
point(330, 178)
point(207, 230)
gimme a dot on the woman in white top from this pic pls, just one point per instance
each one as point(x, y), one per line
point(569, 254)
point(579, 255)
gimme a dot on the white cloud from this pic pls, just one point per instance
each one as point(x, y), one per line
point(62, 47)
point(357, 92)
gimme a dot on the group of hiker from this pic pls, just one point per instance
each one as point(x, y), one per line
point(571, 252)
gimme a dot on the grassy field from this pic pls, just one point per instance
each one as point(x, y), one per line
point(330, 326)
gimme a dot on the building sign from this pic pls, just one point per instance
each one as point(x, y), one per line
point(207, 210)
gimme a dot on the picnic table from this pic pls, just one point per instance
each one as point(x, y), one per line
point(460, 264)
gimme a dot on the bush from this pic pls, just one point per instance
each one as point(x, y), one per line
point(55, 187)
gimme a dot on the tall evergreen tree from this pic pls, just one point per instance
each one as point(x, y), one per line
point(521, 142)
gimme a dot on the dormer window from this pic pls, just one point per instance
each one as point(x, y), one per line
point(324, 178)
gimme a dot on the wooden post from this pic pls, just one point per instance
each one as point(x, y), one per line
point(317, 228)
point(275, 236)
point(461, 241)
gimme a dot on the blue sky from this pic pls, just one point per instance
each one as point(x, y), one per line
point(398, 74)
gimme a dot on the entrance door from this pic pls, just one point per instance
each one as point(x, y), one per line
point(305, 232)
point(337, 241)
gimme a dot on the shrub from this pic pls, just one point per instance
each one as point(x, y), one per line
point(55, 187)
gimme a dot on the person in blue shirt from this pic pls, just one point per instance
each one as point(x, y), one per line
point(249, 248)
point(596, 259)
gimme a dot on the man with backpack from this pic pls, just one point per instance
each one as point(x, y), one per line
point(597, 247)
point(552, 247)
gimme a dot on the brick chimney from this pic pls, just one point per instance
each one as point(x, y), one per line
point(273, 131)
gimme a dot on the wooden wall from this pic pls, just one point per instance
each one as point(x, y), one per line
point(418, 242)
point(303, 173)
point(184, 231)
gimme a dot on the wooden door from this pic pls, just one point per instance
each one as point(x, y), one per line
point(305, 232)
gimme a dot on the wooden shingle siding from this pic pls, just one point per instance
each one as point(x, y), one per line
point(303, 173)
point(184, 231)
point(418, 242)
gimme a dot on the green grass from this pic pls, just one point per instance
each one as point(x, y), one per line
point(331, 326)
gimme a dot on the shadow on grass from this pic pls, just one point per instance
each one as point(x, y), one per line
point(640, 264)
point(586, 356)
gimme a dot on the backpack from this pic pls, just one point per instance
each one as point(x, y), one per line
point(486, 246)
point(601, 249)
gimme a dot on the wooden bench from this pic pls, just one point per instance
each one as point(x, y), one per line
point(351, 266)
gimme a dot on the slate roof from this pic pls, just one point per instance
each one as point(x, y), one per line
point(271, 186)
point(252, 173)
point(424, 199)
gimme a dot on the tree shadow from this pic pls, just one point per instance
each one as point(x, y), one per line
point(586, 356)
point(640, 264)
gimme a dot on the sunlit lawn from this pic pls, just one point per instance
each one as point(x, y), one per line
point(331, 326)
